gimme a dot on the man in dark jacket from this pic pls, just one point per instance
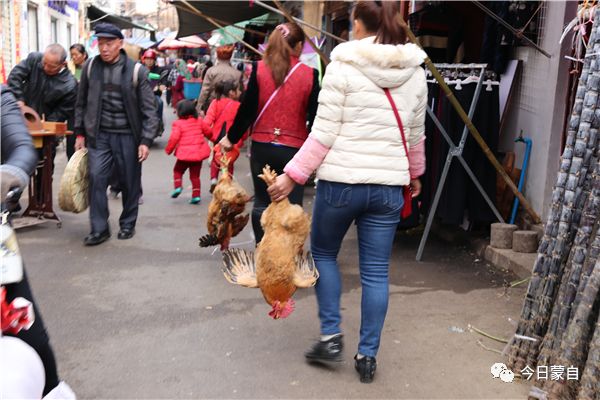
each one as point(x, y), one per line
point(43, 82)
point(115, 116)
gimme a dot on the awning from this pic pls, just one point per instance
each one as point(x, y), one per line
point(144, 43)
point(95, 15)
point(228, 34)
point(225, 12)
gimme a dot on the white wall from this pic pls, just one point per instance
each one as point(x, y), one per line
point(45, 14)
point(538, 107)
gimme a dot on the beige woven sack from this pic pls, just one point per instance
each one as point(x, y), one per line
point(73, 193)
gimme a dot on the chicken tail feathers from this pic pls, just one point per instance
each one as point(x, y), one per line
point(306, 274)
point(208, 240)
point(239, 268)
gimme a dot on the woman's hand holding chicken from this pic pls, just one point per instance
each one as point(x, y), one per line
point(282, 187)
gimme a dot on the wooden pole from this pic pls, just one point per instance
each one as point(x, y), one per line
point(226, 23)
point(474, 132)
point(199, 13)
point(299, 21)
point(289, 17)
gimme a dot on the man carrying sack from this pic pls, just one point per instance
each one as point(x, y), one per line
point(115, 116)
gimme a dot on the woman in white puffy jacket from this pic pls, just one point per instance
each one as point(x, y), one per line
point(357, 150)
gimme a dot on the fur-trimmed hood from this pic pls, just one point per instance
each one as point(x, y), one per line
point(386, 65)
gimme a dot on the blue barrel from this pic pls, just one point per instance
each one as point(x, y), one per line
point(191, 89)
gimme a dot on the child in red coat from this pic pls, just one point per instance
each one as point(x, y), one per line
point(188, 140)
point(220, 116)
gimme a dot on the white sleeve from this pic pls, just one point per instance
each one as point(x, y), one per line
point(417, 124)
point(328, 121)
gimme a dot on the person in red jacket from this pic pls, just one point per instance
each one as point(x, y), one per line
point(279, 107)
point(188, 141)
point(220, 116)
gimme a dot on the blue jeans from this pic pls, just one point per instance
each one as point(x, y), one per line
point(376, 211)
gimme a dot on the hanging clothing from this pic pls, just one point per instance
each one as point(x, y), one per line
point(459, 192)
point(439, 30)
point(460, 196)
point(497, 40)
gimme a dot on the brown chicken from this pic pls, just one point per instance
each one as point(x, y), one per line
point(279, 266)
point(225, 211)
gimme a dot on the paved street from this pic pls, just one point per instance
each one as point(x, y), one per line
point(153, 317)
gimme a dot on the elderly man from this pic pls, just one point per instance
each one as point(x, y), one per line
point(43, 82)
point(222, 71)
point(115, 117)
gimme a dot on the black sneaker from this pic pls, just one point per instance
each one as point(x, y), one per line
point(365, 367)
point(326, 351)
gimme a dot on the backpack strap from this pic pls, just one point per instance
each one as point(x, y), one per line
point(89, 68)
point(136, 72)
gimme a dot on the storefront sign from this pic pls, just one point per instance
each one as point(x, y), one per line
point(58, 5)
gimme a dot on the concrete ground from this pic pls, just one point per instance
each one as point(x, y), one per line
point(153, 317)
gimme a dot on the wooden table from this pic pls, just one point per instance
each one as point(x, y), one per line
point(40, 209)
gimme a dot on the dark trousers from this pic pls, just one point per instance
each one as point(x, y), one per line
point(36, 336)
point(194, 167)
point(168, 95)
point(122, 151)
point(277, 157)
point(70, 145)
point(115, 180)
point(159, 110)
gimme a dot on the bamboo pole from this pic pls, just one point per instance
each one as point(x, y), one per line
point(472, 129)
point(291, 19)
point(194, 10)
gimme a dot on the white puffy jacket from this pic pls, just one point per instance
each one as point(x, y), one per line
point(355, 119)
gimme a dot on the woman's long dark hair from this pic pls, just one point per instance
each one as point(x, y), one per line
point(279, 49)
point(380, 17)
